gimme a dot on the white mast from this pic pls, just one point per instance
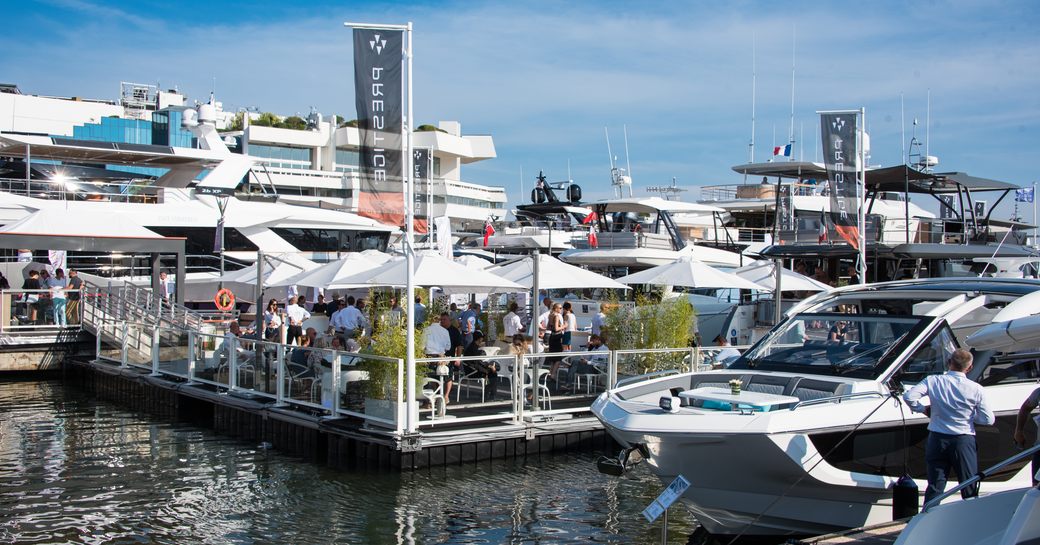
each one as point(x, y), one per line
point(861, 267)
point(754, 85)
point(628, 160)
point(794, 40)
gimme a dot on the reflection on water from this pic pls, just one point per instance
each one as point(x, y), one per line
point(81, 471)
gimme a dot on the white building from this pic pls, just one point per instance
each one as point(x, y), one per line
point(318, 163)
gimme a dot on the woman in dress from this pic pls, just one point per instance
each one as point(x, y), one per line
point(556, 327)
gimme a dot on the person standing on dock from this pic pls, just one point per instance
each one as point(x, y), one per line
point(511, 324)
point(957, 405)
point(420, 311)
point(75, 285)
point(296, 316)
point(57, 286)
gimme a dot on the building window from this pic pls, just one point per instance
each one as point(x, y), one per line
point(436, 166)
point(282, 156)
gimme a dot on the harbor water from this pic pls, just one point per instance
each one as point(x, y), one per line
point(77, 470)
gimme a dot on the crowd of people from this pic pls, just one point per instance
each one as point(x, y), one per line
point(48, 299)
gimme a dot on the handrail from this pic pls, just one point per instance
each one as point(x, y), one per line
point(980, 476)
point(647, 376)
point(836, 398)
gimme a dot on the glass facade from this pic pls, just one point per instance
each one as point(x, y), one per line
point(282, 156)
point(163, 130)
point(452, 199)
point(347, 160)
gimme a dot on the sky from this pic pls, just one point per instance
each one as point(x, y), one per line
point(546, 79)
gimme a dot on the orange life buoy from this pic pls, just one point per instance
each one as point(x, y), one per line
point(225, 300)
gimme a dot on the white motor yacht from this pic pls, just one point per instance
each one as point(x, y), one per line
point(639, 233)
point(817, 435)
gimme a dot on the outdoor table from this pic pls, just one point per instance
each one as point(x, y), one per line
point(758, 400)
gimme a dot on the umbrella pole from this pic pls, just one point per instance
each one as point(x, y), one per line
point(778, 267)
point(535, 307)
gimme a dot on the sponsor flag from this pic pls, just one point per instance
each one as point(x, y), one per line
point(218, 238)
point(841, 156)
point(591, 218)
point(379, 99)
point(489, 230)
point(784, 210)
point(784, 151)
point(1024, 194)
point(421, 179)
point(823, 228)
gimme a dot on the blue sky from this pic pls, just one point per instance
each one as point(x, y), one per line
point(545, 78)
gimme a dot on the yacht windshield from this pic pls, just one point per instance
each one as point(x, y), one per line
point(852, 345)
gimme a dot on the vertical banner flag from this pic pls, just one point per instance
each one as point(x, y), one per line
point(784, 210)
point(421, 179)
point(379, 99)
point(946, 210)
point(841, 156)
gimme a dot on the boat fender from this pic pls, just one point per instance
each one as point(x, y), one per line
point(905, 498)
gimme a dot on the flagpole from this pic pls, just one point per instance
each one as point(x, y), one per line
point(862, 221)
point(411, 425)
point(1035, 242)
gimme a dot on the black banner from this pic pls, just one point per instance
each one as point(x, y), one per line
point(422, 186)
point(379, 99)
point(841, 156)
point(784, 210)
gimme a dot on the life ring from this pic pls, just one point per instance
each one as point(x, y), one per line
point(225, 300)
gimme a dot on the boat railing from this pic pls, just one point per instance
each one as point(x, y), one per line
point(646, 364)
point(136, 190)
point(624, 240)
point(981, 476)
point(733, 192)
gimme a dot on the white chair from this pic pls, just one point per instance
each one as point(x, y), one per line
point(544, 397)
point(432, 391)
point(474, 376)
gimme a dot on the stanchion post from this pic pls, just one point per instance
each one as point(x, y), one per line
point(280, 374)
point(233, 363)
point(155, 351)
point(192, 339)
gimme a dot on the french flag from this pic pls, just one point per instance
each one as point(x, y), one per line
point(782, 150)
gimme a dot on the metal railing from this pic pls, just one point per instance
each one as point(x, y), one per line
point(136, 190)
point(34, 310)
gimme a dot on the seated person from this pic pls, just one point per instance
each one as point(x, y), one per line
point(726, 355)
point(484, 369)
point(838, 332)
point(590, 366)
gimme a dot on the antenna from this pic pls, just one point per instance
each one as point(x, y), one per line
point(794, 41)
point(628, 160)
point(928, 126)
point(569, 178)
point(670, 192)
point(610, 155)
point(522, 183)
point(754, 85)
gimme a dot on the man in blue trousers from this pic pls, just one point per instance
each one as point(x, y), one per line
point(957, 404)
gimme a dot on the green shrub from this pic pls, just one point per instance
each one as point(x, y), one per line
point(649, 324)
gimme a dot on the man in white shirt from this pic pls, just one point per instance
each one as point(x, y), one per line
point(436, 339)
point(543, 318)
point(598, 321)
point(726, 355)
point(957, 404)
point(511, 322)
point(296, 315)
point(349, 320)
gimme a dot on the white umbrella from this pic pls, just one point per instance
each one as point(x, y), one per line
point(473, 261)
point(434, 270)
point(329, 275)
point(287, 265)
point(689, 273)
point(763, 273)
point(554, 274)
point(376, 256)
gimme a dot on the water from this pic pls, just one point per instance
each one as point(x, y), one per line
point(76, 470)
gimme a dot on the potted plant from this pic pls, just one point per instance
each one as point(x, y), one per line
point(381, 388)
point(734, 386)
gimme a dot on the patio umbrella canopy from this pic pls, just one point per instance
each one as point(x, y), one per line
point(288, 265)
point(691, 274)
point(763, 273)
point(554, 274)
point(331, 274)
point(433, 270)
